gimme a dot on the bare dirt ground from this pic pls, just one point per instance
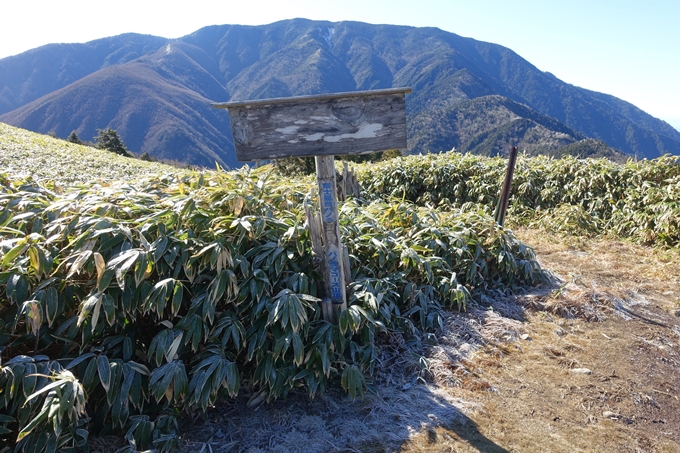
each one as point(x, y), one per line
point(592, 365)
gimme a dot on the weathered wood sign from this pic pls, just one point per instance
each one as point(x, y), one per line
point(323, 125)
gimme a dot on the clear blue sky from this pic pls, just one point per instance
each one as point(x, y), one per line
point(630, 49)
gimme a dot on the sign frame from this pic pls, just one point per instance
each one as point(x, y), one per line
point(333, 124)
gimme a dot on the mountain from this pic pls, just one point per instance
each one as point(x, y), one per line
point(158, 104)
point(35, 73)
point(489, 125)
point(467, 94)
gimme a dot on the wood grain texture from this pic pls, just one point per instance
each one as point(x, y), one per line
point(351, 123)
point(334, 277)
point(316, 236)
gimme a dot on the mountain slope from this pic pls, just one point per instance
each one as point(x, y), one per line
point(490, 125)
point(299, 57)
point(151, 113)
point(37, 72)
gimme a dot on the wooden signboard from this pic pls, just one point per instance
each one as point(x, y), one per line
point(324, 125)
point(321, 126)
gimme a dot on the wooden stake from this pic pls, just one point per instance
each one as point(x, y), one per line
point(316, 236)
point(502, 206)
point(334, 277)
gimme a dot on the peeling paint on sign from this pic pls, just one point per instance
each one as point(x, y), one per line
point(333, 124)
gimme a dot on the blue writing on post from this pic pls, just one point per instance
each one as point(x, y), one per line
point(327, 202)
point(334, 271)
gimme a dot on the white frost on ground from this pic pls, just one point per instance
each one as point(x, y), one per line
point(386, 417)
point(395, 410)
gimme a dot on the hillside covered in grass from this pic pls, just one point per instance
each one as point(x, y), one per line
point(25, 153)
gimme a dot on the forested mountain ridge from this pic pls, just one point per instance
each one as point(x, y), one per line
point(157, 92)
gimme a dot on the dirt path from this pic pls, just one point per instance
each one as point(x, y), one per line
point(593, 366)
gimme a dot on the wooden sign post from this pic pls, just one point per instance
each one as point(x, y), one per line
point(321, 126)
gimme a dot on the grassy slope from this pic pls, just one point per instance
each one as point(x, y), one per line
point(47, 158)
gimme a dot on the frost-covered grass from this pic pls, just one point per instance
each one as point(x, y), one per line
point(49, 159)
point(638, 200)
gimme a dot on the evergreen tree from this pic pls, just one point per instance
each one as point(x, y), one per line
point(109, 139)
point(147, 157)
point(73, 138)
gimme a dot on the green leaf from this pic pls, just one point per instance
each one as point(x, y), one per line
point(174, 346)
point(325, 360)
point(281, 346)
point(159, 246)
point(90, 371)
point(17, 288)
point(115, 381)
point(38, 419)
point(79, 359)
point(158, 295)
point(219, 285)
point(51, 305)
point(51, 446)
point(180, 382)
point(353, 381)
point(232, 379)
point(177, 297)
point(46, 388)
point(128, 349)
point(14, 252)
point(95, 311)
point(164, 379)
point(109, 309)
point(122, 263)
point(36, 260)
point(104, 280)
point(30, 379)
point(81, 259)
point(298, 350)
point(142, 266)
point(160, 345)
point(195, 332)
point(87, 307)
point(104, 371)
point(139, 368)
point(344, 321)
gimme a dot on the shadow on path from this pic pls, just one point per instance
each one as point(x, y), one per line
point(386, 420)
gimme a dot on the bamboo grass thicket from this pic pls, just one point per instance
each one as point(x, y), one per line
point(125, 303)
point(638, 200)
